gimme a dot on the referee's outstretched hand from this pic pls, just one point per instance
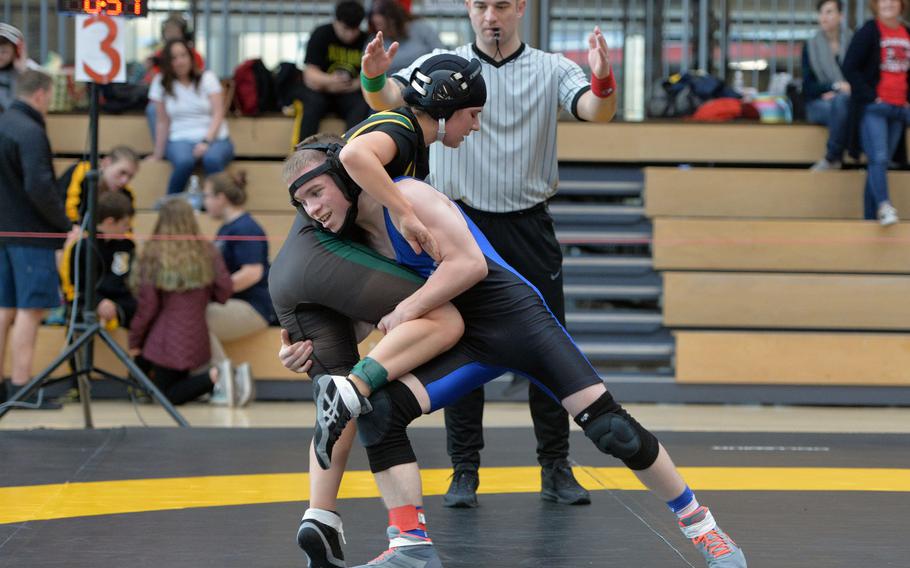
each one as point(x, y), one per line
point(418, 236)
point(376, 59)
point(598, 56)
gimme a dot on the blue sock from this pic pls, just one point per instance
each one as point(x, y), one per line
point(684, 504)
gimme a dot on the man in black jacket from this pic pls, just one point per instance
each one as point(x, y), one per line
point(31, 204)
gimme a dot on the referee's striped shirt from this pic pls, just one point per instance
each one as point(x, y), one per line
point(511, 163)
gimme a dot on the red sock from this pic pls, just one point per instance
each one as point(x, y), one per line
point(409, 519)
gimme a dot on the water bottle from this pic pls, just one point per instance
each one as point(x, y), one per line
point(738, 82)
point(194, 193)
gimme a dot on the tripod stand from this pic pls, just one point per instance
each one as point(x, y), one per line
point(81, 349)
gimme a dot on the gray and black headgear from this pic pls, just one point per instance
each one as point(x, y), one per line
point(446, 83)
point(334, 169)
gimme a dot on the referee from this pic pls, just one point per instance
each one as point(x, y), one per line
point(502, 177)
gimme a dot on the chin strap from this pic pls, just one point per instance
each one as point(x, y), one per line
point(441, 131)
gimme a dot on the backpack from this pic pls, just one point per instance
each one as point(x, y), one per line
point(254, 92)
point(681, 94)
point(288, 81)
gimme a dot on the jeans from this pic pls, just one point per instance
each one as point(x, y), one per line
point(880, 131)
point(180, 154)
point(151, 115)
point(833, 114)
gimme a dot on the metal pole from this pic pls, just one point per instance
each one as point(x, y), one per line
point(703, 35)
point(724, 39)
point(25, 22)
point(686, 37)
point(261, 29)
point(61, 38)
point(225, 38)
point(545, 23)
point(8, 11)
point(43, 28)
point(207, 18)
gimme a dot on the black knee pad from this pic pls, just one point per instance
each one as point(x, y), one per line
point(616, 433)
point(383, 432)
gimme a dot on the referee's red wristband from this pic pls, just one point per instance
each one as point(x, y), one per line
point(603, 88)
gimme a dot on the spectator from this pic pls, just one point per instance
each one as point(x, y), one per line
point(826, 92)
point(190, 117)
point(332, 70)
point(30, 204)
point(173, 28)
point(415, 37)
point(876, 66)
point(250, 308)
point(117, 170)
point(177, 275)
point(13, 61)
point(114, 255)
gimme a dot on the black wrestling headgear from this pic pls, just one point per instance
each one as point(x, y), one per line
point(445, 83)
point(333, 168)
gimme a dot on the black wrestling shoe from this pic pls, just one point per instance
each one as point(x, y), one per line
point(337, 402)
point(558, 484)
point(320, 536)
point(462, 493)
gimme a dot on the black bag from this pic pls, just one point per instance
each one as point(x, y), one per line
point(288, 80)
point(123, 97)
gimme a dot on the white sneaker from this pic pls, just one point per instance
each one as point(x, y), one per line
point(887, 215)
point(223, 393)
point(246, 388)
point(824, 165)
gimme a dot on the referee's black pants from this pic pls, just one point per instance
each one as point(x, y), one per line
point(527, 241)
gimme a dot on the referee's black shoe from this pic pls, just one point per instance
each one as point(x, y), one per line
point(337, 402)
point(320, 536)
point(558, 484)
point(462, 493)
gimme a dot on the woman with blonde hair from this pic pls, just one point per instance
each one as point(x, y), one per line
point(178, 273)
point(245, 250)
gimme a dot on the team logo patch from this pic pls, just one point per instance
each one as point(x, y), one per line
point(121, 263)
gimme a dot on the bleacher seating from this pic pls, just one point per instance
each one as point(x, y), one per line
point(771, 277)
point(759, 275)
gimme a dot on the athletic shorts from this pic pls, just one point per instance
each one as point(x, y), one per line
point(28, 277)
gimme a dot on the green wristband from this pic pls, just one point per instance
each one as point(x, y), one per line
point(373, 85)
point(371, 372)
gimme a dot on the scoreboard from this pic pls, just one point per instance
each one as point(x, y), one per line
point(127, 8)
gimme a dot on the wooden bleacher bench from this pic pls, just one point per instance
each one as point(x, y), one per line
point(260, 349)
point(259, 137)
point(763, 193)
point(728, 300)
point(647, 142)
point(792, 358)
point(775, 245)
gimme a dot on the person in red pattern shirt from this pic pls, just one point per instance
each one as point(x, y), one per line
point(177, 275)
point(876, 66)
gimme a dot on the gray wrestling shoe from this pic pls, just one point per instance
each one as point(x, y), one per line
point(558, 484)
point(408, 555)
point(716, 546)
point(320, 536)
point(337, 403)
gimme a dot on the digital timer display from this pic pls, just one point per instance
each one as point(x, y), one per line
point(128, 8)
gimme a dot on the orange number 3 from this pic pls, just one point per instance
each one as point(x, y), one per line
point(107, 47)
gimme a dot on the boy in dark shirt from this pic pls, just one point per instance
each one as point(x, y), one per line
point(332, 71)
point(114, 253)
